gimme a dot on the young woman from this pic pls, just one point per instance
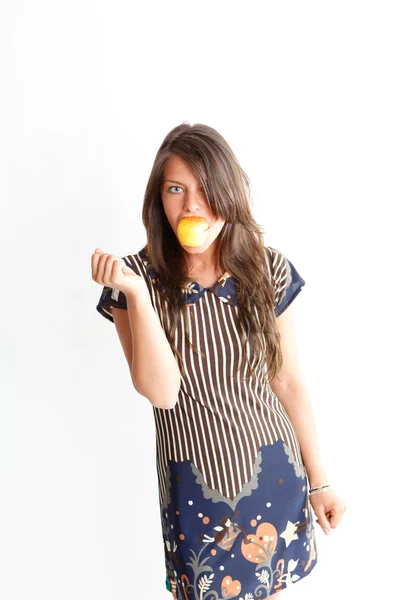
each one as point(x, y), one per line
point(208, 335)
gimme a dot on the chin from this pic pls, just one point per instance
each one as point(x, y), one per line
point(195, 249)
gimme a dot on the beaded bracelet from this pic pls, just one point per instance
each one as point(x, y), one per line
point(319, 489)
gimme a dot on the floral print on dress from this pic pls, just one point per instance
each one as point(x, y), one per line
point(247, 548)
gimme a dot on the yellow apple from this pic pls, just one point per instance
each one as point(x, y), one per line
point(192, 231)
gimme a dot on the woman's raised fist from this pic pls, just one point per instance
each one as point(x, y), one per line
point(112, 271)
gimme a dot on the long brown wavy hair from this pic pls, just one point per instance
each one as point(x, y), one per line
point(241, 248)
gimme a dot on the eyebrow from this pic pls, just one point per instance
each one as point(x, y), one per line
point(173, 181)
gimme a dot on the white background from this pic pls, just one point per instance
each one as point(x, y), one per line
point(307, 95)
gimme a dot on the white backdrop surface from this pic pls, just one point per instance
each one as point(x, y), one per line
point(307, 95)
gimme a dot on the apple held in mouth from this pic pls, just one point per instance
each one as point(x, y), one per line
point(192, 231)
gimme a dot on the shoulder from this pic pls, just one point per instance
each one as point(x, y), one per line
point(276, 261)
point(285, 278)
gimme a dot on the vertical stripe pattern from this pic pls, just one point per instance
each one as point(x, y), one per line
point(219, 422)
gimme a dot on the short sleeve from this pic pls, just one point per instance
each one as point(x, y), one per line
point(113, 298)
point(287, 281)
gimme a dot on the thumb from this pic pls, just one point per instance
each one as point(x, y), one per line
point(127, 270)
point(98, 251)
point(322, 520)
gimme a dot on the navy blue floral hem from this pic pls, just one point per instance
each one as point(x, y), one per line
point(249, 547)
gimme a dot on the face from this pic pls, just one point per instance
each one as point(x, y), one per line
point(183, 196)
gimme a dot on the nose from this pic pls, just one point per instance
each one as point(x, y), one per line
point(193, 200)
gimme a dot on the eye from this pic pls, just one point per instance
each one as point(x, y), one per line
point(174, 186)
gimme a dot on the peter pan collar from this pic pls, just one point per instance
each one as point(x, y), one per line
point(224, 288)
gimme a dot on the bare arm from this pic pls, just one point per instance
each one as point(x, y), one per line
point(154, 370)
point(292, 391)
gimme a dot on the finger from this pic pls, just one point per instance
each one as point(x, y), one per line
point(336, 515)
point(95, 265)
point(107, 269)
point(107, 263)
point(322, 520)
point(116, 266)
point(128, 270)
point(334, 520)
point(325, 529)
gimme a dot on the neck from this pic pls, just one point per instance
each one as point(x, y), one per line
point(206, 262)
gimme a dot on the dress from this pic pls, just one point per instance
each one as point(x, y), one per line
point(235, 514)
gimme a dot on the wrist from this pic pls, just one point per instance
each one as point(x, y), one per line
point(317, 479)
point(138, 292)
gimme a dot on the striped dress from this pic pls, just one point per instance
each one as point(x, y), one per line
point(233, 489)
